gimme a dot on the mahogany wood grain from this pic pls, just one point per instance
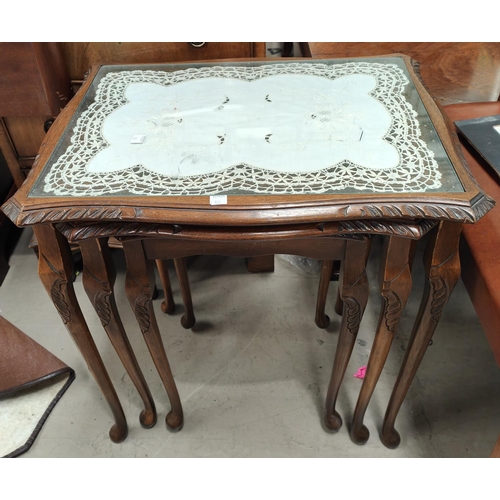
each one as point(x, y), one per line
point(322, 320)
point(38, 78)
point(188, 320)
point(168, 304)
point(26, 134)
point(310, 225)
point(21, 89)
point(243, 210)
point(99, 276)
point(315, 248)
point(81, 56)
point(8, 152)
point(34, 87)
point(354, 294)
point(139, 287)
point(33, 80)
point(339, 305)
point(329, 248)
point(353, 251)
point(329, 272)
point(261, 264)
point(452, 72)
point(395, 287)
point(55, 268)
point(442, 266)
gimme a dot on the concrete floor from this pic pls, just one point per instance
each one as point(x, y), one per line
point(253, 372)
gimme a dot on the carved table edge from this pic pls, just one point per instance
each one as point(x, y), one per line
point(469, 213)
point(359, 229)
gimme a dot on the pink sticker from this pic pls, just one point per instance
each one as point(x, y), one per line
point(361, 372)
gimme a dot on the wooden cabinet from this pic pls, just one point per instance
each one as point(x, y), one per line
point(34, 87)
point(80, 56)
point(33, 80)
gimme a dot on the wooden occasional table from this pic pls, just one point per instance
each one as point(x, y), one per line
point(249, 158)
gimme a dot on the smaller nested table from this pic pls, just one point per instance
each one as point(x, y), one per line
point(250, 158)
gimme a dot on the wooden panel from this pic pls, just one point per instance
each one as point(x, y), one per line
point(54, 75)
point(80, 56)
point(21, 89)
point(9, 154)
point(452, 72)
point(33, 80)
point(262, 264)
point(26, 134)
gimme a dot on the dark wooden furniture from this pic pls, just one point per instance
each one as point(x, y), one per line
point(34, 87)
point(480, 243)
point(37, 81)
point(81, 56)
point(452, 72)
point(182, 222)
point(39, 78)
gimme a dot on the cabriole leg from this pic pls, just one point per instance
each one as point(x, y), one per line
point(354, 294)
point(139, 284)
point(55, 267)
point(322, 320)
point(98, 280)
point(442, 267)
point(395, 276)
point(168, 304)
point(188, 320)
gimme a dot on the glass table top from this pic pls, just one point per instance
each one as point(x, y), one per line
point(326, 126)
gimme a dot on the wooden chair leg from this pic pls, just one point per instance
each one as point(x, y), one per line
point(354, 295)
point(168, 304)
point(188, 320)
point(98, 280)
point(330, 271)
point(55, 268)
point(322, 320)
point(395, 276)
point(139, 284)
point(442, 265)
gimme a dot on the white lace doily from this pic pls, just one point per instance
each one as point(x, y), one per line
point(284, 128)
